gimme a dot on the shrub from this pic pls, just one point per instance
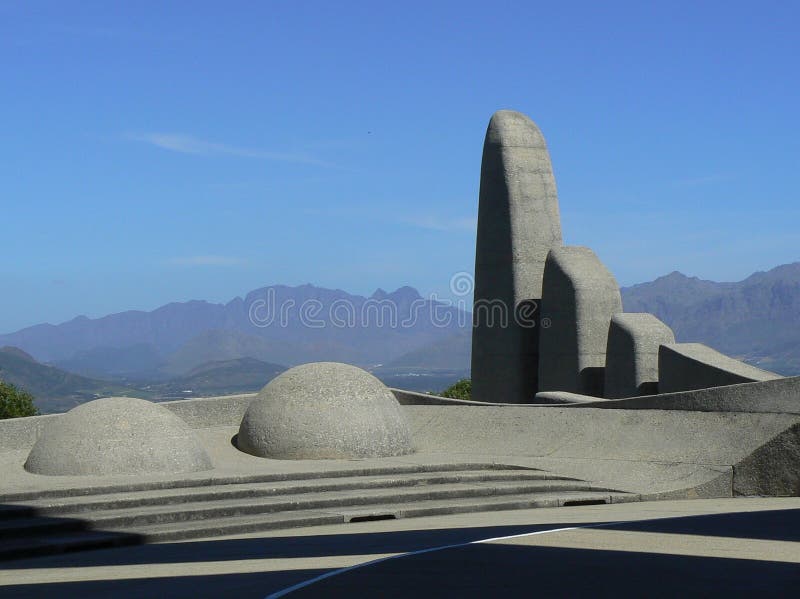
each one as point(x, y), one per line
point(15, 403)
point(460, 390)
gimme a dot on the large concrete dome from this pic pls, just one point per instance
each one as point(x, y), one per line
point(324, 410)
point(117, 435)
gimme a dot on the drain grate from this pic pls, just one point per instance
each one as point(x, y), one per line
point(373, 518)
point(585, 502)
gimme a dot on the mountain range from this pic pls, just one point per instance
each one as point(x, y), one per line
point(756, 320)
point(279, 324)
point(201, 348)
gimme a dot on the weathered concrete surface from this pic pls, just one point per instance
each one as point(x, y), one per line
point(687, 366)
point(518, 224)
point(580, 296)
point(632, 354)
point(657, 448)
point(324, 410)
point(117, 435)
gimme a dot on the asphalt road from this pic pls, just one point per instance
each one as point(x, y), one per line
point(735, 547)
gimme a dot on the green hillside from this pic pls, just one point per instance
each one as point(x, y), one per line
point(55, 390)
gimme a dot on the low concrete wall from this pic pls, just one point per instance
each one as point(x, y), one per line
point(206, 412)
point(412, 398)
point(687, 366)
point(21, 433)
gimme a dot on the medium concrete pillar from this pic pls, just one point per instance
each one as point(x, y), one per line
point(632, 354)
point(579, 298)
point(518, 223)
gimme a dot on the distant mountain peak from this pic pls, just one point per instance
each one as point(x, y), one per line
point(675, 275)
point(400, 295)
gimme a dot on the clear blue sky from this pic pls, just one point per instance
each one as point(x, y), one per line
point(164, 151)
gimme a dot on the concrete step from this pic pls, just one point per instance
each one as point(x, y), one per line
point(214, 527)
point(395, 469)
point(145, 515)
point(110, 515)
point(78, 505)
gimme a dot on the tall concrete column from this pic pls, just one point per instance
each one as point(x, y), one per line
point(518, 224)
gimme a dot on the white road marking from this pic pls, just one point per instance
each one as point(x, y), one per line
point(306, 583)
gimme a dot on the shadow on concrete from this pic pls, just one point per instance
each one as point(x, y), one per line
point(520, 571)
point(26, 533)
point(479, 570)
point(241, 586)
point(287, 546)
point(484, 570)
point(772, 525)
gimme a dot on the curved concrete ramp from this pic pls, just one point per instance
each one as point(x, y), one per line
point(777, 396)
point(655, 453)
point(687, 366)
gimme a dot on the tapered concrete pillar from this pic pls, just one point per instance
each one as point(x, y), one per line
point(518, 224)
point(580, 297)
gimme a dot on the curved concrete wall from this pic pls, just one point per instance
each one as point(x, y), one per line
point(580, 296)
point(632, 354)
point(687, 366)
point(518, 223)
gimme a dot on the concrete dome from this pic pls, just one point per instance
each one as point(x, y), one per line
point(324, 410)
point(117, 435)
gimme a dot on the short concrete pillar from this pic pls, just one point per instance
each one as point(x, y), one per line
point(579, 297)
point(632, 354)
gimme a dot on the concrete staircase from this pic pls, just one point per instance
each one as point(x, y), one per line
point(89, 518)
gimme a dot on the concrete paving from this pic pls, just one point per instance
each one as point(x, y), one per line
point(734, 546)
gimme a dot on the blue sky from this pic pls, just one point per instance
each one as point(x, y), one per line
point(166, 151)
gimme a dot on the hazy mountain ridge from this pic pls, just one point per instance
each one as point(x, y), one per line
point(757, 319)
point(287, 325)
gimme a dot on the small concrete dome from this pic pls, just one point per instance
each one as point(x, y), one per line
point(325, 410)
point(117, 435)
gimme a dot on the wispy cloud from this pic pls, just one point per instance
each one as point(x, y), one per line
point(434, 223)
point(209, 260)
point(187, 144)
